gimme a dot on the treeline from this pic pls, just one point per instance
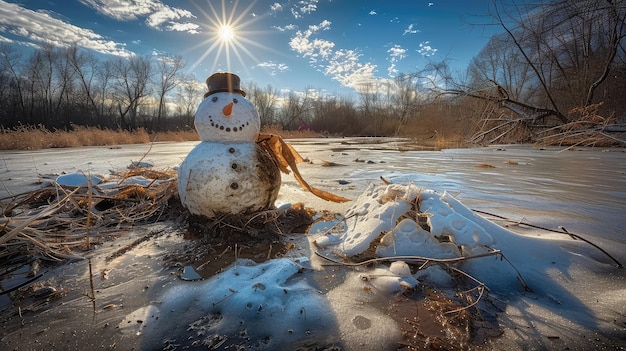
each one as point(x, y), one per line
point(555, 66)
point(61, 88)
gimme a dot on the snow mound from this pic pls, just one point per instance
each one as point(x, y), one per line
point(260, 306)
point(377, 211)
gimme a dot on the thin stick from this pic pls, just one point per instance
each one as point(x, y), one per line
point(92, 295)
point(562, 231)
point(481, 289)
point(87, 243)
point(405, 258)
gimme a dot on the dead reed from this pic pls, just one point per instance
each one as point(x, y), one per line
point(38, 137)
point(56, 222)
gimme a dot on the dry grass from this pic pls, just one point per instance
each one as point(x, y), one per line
point(33, 138)
point(290, 134)
point(178, 136)
point(439, 127)
point(55, 221)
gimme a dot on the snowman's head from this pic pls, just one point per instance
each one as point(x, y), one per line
point(225, 114)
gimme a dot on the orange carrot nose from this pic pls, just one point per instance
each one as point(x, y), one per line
point(228, 109)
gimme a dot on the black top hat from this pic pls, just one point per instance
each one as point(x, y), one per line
point(223, 82)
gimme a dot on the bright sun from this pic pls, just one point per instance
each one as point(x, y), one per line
point(226, 33)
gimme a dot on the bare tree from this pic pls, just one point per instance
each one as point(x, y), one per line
point(168, 75)
point(551, 58)
point(569, 45)
point(295, 109)
point(104, 75)
point(130, 87)
point(85, 67)
point(12, 87)
point(265, 101)
point(189, 95)
point(405, 99)
point(373, 108)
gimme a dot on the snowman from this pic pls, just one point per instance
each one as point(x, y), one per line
point(234, 169)
point(228, 172)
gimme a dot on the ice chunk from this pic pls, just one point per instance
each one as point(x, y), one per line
point(446, 220)
point(77, 180)
point(409, 239)
point(374, 212)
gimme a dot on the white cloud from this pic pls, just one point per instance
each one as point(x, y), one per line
point(308, 7)
point(324, 25)
point(190, 28)
point(276, 7)
point(5, 40)
point(373, 12)
point(396, 53)
point(286, 28)
point(303, 7)
point(165, 14)
point(313, 49)
point(426, 50)
point(122, 10)
point(346, 68)
point(272, 67)
point(410, 30)
point(159, 16)
point(342, 65)
point(40, 27)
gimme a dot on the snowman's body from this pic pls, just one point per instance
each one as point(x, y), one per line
point(227, 172)
point(228, 177)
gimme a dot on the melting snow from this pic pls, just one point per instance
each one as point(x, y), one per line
point(276, 304)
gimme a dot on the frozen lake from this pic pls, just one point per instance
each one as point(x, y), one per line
point(582, 190)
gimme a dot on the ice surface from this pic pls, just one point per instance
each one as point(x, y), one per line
point(577, 298)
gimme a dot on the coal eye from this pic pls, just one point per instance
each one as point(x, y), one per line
point(235, 100)
point(214, 99)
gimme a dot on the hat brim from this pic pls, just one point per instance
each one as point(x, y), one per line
point(243, 93)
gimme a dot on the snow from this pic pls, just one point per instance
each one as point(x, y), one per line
point(275, 296)
point(268, 303)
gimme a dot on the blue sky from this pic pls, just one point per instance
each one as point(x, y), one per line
point(326, 45)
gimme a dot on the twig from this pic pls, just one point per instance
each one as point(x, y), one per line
point(133, 244)
point(92, 294)
point(562, 231)
point(481, 290)
point(405, 258)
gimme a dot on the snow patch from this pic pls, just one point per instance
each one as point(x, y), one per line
point(267, 305)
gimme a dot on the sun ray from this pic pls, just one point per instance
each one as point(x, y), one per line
point(231, 40)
